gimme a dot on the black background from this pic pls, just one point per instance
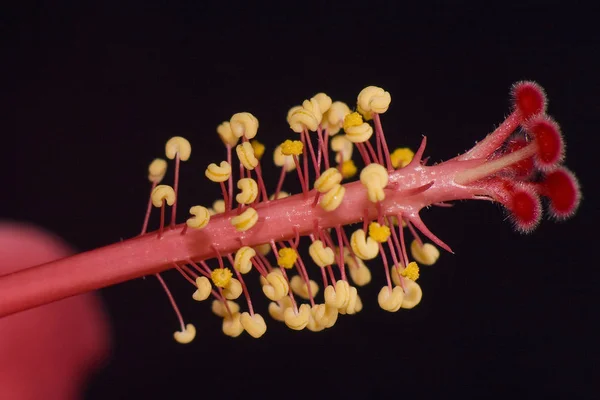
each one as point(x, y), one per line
point(90, 93)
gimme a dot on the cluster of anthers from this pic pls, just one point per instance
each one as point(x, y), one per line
point(511, 166)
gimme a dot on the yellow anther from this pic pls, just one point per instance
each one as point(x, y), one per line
point(300, 118)
point(201, 217)
point(374, 99)
point(375, 178)
point(300, 288)
point(226, 135)
point(253, 324)
point(157, 170)
point(380, 233)
point(163, 193)
point(178, 145)
point(323, 101)
point(232, 325)
point(363, 247)
point(245, 220)
point(258, 147)
point(339, 296)
point(321, 255)
point(203, 289)
point(411, 271)
point(401, 157)
point(353, 300)
point(219, 206)
point(276, 286)
point(328, 180)
point(297, 321)
point(412, 294)
point(185, 336)
point(243, 259)
point(360, 133)
point(221, 277)
point(390, 300)
point(333, 119)
point(365, 114)
point(249, 191)
point(244, 124)
point(218, 307)
point(280, 195)
point(233, 290)
point(324, 314)
point(360, 274)
point(277, 309)
point(349, 169)
point(395, 221)
point(245, 153)
point(333, 198)
point(292, 148)
point(352, 120)
point(287, 257)
point(427, 254)
point(343, 147)
point(282, 160)
point(218, 173)
point(263, 249)
point(313, 325)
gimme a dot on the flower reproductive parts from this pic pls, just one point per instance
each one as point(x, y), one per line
point(348, 175)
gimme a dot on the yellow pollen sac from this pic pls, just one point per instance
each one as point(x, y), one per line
point(277, 309)
point(349, 169)
point(411, 271)
point(375, 178)
point(249, 191)
point(297, 321)
point(363, 247)
point(163, 193)
point(219, 206)
point(333, 119)
point(292, 148)
point(300, 288)
point(352, 119)
point(378, 232)
point(287, 257)
point(178, 145)
point(218, 173)
point(427, 254)
point(221, 277)
point(157, 170)
point(320, 254)
point(280, 195)
point(367, 115)
point(390, 300)
point(276, 287)
point(353, 301)
point(245, 153)
point(218, 307)
point(401, 157)
point(233, 290)
point(343, 147)
point(204, 289)
point(226, 135)
point(360, 274)
point(253, 324)
point(308, 116)
point(244, 124)
point(323, 101)
point(185, 336)
point(263, 249)
point(282, 160)
point(243, 259)
point(374, 99)
point(325, 315)
point(201, 217)
point(245, 220)
point(258, 147)
point(232, 325)
point(339, 296)
point(328, 180)
point(412, 294)
point(333, 198)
